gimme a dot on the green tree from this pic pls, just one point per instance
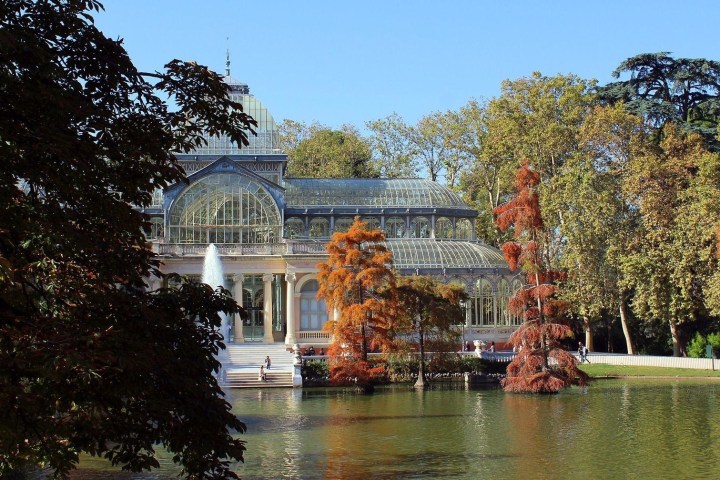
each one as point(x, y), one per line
point(393, 154)
point(663, 89)
point(676, 190)
point(539, 117)
point(293, 132)
point(599, 223)
point(488, 180)
point(329, 153)
point(435, 155)
point(535, 117)
point(90, 361)
point(428, 309)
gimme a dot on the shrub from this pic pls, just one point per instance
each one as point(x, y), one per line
point(315, 370)
point(696, 347)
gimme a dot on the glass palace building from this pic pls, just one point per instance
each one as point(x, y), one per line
point(271, 232)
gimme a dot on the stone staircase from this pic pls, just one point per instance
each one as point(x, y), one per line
point(241, 363)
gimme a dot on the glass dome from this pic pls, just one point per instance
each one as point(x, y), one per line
point(431, 254)
point(224, 208)
point(267, 140)
point(370, 192)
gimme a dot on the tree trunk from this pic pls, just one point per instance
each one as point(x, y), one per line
point(674, 332)
point(421, 382)
point(626, 329)
point(363, 347)
point(587, 325)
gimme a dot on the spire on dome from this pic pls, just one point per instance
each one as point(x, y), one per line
point(227, 60)
point(235, 85)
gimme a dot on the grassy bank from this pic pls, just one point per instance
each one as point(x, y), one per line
point(634, 371)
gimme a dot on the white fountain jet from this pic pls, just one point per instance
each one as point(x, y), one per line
point(213, 275)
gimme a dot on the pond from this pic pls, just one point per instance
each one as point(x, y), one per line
point(640, 428)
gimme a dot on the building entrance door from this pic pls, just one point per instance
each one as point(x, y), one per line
point(253, 326)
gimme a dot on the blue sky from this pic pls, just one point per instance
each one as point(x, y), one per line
point(348, 61)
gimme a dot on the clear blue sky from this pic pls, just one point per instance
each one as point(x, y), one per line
point(347, 61)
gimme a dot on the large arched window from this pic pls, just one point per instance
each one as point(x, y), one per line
point(419, 227)
point(224, 208)
point(319, 228)
point(443, 228)
point(395, 227)
point(313, 312)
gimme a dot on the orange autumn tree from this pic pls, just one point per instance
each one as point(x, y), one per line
point(542, 365)
point(357, 269)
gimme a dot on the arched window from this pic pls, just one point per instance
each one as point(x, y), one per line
point(482, 304)
point(443, 228)
point(319, 228)
point(503, 297)
point(247, 298)
point(224, 208)
point(343, 224)
point(313, 312)
point(157, 198)
point(514, 288)
point(372, 223)
point(395, 227)
point(419, 227)
point(463, 229)
point(294, 227)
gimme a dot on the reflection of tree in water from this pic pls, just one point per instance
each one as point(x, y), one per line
point(543, 432)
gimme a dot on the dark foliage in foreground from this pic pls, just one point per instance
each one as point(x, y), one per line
point(90, 361)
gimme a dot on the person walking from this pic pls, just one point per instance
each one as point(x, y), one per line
point(267, 362)
point(582, 352)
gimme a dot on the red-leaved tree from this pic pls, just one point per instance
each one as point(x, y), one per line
point(542, 364)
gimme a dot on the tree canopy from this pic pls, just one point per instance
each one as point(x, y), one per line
point(326, 153)
point(663, 89)
point(90, 360)
point(428, 310)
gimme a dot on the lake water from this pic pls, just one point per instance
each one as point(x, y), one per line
point(644, 429)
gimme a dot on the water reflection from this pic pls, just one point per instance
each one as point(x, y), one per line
point(613, 429)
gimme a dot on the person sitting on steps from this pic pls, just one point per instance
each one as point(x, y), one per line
point(261, 375)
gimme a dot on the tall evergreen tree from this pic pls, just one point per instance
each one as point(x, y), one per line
point(663, 89)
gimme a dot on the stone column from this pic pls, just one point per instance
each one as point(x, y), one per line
point(290, 340)
point(238, 296)
point(267, 308)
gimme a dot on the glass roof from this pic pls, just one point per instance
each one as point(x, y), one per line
point(369, 192)
point(433, 254)
point(267, 140)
